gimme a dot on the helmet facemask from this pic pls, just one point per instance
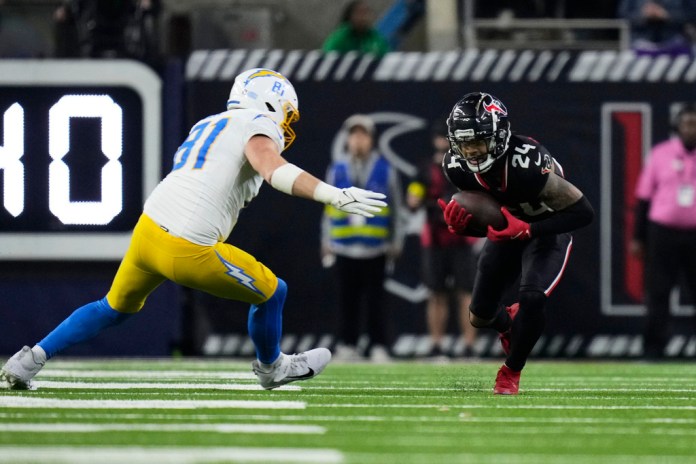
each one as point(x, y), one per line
point(290, 116)
point(482, 158)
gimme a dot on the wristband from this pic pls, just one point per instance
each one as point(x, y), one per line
point(283, 177)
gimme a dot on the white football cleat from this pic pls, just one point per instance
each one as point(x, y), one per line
point(18, 371)
point(292, 367)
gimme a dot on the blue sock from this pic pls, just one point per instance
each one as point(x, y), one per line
point(266, 324)
point(83, 324)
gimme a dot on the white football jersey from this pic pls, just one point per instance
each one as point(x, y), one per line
point(211, 180)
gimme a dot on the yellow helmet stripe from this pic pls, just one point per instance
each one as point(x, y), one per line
point(266, 73)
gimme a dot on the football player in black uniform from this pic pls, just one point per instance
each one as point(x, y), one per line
point(541, 209)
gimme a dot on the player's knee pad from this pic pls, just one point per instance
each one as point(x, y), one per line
point(478, 322)
point(482, 313)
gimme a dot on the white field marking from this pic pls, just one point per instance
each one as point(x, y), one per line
point(579, 420)
point(322, 396)
point(149, 374)
point(666, 390)
point(218, 428)
point(448, 396)
point(602, 379)
point(606, 430)
point(33, 402)
point(324, 418)
point(533, 382)
point(158, 386)
point(454, 389)
point(173, 455)
point(520, 457)
point(500, 406)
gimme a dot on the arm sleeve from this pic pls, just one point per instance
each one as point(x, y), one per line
point(641, 217)
point(575, 216)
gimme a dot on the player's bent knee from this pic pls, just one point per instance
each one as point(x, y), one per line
point(479, 322)
point(281, 289)
point(124, 304)
point(532, 300)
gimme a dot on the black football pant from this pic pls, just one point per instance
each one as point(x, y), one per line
point(670, 252)
point(361, 293)
point(523, 271)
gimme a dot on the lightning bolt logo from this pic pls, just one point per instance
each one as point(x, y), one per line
point(266, 73)
point(239, 275)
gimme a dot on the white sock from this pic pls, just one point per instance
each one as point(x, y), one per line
point(268, 367)
point(39, 354)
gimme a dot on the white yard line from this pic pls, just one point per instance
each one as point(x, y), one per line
point(218, 428)
point(177, 455)
point(34, 402)
point(312, 429)
point(618, 389)
point(148, 374)
point(523, 457)
point(454, 389)
point(461, 419)
point(153, 385)
point(501, 406)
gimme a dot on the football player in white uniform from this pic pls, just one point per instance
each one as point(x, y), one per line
point(180, 236)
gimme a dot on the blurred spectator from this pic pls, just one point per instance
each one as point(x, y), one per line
point(448, 260)
point(362, 247)
point(108, 29)
point(659, 26)
point(356, 32)
point(665, 233)
point(399, 19)
point(18, 38)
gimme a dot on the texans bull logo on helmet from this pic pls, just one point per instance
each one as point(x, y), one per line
point(495, 105)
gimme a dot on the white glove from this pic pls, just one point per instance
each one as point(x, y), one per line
point(355, 200)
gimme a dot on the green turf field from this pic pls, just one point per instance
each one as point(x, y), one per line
point(169, 411)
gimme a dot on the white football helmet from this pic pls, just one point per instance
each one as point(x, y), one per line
point(269, 91)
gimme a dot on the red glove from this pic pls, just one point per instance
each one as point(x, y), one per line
point(456, 217)
point(516, 229)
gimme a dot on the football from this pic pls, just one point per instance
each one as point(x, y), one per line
point(484, 209)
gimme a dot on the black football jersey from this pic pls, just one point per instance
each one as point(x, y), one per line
point(515, 180)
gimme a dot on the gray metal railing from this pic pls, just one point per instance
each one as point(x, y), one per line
point(544, 33)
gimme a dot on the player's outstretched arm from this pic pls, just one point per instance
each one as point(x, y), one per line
point(264, 157)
